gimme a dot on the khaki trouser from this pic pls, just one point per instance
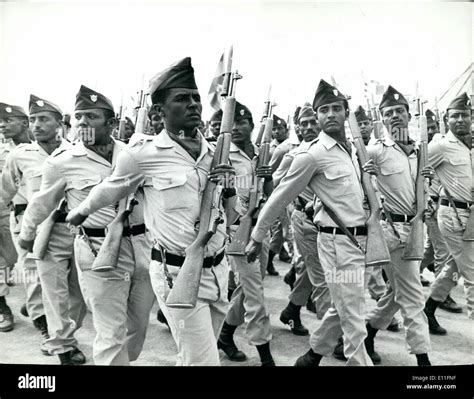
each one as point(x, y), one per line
point(311, 282)
point(8, 255)
point(461, 261)
point(375, 283)
point(195, 331)
point(34, 300)
point(248, 301)
point(436, 248)
point(62, 298)
point(344, 267)
point(114, 298)
point(404, 292)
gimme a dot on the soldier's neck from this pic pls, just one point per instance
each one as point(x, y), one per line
point(247, 148)
point(21, 138)
point(104, 148)
point(340, 136)
point(188, 133)
point(466, 139)
point(49, 146)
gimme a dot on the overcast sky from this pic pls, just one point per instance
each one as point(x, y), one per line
point(50, 49)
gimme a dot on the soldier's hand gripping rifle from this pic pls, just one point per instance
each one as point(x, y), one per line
point(242, 235)
point(265, 116)
point(376, 252)
point(186, 286)
point(107, 257)
point(46, 228)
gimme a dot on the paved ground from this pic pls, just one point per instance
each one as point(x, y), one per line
point(22, 344)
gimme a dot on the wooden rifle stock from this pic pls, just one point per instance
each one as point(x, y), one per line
point(45, 230)
point(415, 245)
point(107, 257)
point(376, 252)
point(242, 235)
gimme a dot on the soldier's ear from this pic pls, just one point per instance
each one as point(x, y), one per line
point(347, 113)
point(409, 117)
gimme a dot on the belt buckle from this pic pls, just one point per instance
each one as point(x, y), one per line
point(355, 231)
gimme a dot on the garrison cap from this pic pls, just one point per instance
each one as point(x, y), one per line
point(430, 116)
point(360, 114)
point(242, 112)
point(216, 116)
point(306, 112)
point(38, 104)
point(277, 121)
point(179, 75)
point(393, 97)
point(7, 110)
point(89, 99)
point(326, 94)
point(461, 102)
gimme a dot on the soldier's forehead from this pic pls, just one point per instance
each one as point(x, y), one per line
point(392, 107)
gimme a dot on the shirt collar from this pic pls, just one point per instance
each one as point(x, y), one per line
point(326, 140)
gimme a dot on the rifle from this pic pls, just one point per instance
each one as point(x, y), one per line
point(107, 257)
point(44, 232)
point(414, 247)
point(265, 115)
point(377, 252)
point(378, 130)
point(186, 286)
point(242, 235)
point(122, 123)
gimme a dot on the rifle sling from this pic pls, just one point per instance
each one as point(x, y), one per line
point(453, 205)
point(336, 220)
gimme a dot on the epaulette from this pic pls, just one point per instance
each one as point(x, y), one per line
point(139, 141)
point(58, 151)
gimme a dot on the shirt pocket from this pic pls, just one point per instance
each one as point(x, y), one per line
point(81, 183)
point(456, 161)
point(173, 192)
point(339, 181)
point(391, 175)
point(34, 179)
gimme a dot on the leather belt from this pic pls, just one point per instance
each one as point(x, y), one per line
point(457, 204)
point(355, 231)
point(19, 209)
point(399, 218)
point(434, 198)
point(127, 231)
point(178, 260)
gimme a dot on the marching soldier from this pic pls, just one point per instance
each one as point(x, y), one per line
point(436, 250)
point(120, 298)
point(451, 158)
point(14, 128)
point(62, 299)
point(19, 182)
point(397, 159)
point(247, 302)
point(174, 168)
point(310, 283)
point(215, 125)
point(329, 167)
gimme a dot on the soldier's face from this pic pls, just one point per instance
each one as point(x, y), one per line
point(459, 122)
point(44, 126)
point(280, 133)
point(432, 130)
point(331, 117)
point(242, 131)
point(395, 119)
point(92, 125)
point(156, 123)
point(13, 126)
point(309, 128)
point(366, 127)
point(182, 109)
point(215, 127)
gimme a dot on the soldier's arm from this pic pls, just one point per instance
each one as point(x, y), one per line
point(43, 202)
point(300, 174)
point(282, 169)
point(11, 178)
point(124, 180)
point(435, 153)
point(276, 158)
